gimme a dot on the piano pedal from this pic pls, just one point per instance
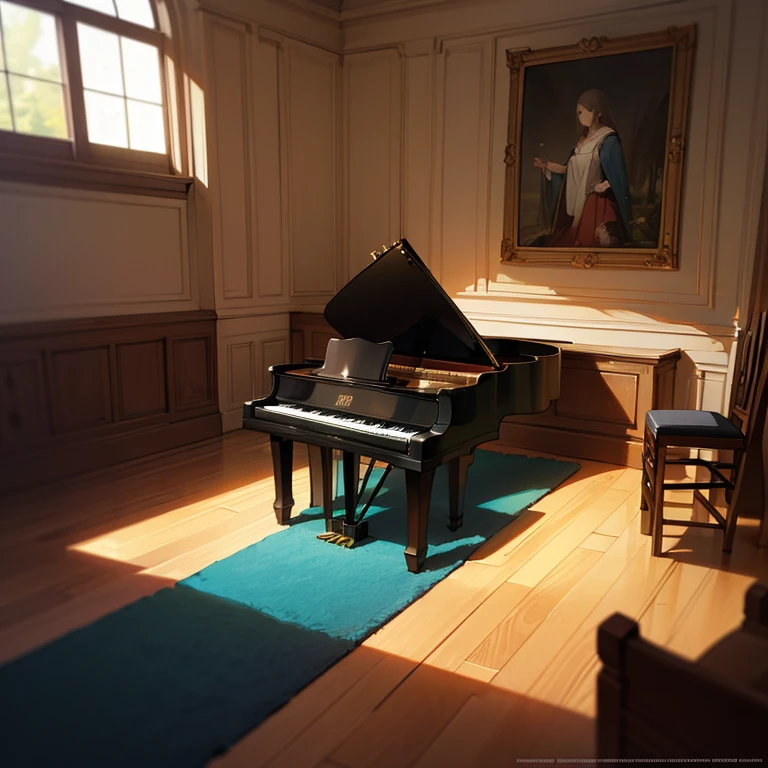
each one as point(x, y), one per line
point(345, 534)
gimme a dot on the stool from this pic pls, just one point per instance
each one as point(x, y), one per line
point(688, 429)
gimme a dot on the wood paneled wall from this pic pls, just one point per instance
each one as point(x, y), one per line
point(81, 394)
point(273, 113)
point(248, 346)
point(455, 98)
point(273, 109)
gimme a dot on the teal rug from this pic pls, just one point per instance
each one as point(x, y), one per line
point(176, 678)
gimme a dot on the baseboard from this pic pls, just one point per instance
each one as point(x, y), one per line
point(36, 468)
point(626, 452)
point(231, 420)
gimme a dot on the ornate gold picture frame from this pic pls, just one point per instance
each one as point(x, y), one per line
point(595, 150)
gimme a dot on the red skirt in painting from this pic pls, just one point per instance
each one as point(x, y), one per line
point(600, 225)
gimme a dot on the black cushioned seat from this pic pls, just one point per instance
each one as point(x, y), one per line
point(691, 423)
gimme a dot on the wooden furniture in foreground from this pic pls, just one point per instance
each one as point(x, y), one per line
point(652, 703)
point(76, 395)
point(604, 395)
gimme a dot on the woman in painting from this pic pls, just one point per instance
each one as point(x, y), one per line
point(589, 194)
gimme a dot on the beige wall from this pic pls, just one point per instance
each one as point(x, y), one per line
point(455, 90)
point(329, 134)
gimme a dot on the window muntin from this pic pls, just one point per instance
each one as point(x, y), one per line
point(32, 97)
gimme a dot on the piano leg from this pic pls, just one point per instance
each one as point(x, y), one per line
point(457, 483)
point(419, 489)
point(282, 464)
point(314, 453)
point(326, 474)
point(351, 482)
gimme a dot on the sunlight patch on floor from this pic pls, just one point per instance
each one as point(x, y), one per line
point(149, 542)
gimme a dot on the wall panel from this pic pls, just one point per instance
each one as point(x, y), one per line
point(312, 124)
point(418, 146)
point(79, 389)
point(74, 253)
point(268, 186)
point(142, 379)
point(193, 372)
point(230, 106)
point(247, 347)
point(372, 130)
point(461, 203)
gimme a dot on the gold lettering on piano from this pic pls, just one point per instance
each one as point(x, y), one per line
point(344, 400)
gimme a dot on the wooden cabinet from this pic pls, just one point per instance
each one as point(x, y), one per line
point(605, 393)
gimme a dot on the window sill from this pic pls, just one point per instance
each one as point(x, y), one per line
point(70, 173)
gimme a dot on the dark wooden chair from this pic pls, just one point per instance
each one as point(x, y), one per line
point(652, 703)
point(707, 430)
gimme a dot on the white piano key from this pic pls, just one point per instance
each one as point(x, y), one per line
point(349, 422)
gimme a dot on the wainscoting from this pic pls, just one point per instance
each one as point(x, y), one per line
point(81, 394)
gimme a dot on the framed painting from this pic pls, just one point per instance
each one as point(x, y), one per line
point(595, 150)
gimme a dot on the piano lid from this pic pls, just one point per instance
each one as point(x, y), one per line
point(397, 299)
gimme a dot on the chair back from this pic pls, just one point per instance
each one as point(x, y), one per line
point(652, 703)
point(750, 379)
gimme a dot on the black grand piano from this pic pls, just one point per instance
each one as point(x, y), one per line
point(410, 384)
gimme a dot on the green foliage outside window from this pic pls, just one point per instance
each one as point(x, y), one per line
point(30, 64)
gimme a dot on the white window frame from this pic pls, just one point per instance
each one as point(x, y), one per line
point(39, 157)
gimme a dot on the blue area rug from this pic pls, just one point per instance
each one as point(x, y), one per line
point(178, 677)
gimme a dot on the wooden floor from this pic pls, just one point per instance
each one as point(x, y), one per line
point(496, 662)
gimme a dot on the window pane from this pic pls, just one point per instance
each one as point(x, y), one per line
point(100, 60)
point(145, 124)
point(104, 6)
point(31, 42)
point(105, 117)
point(38, 107)
point(141, 66)
point(6, 123)
point(137, 11)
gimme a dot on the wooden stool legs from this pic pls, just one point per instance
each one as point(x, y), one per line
point(657, 515)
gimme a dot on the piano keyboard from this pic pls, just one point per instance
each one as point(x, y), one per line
point(382, 428)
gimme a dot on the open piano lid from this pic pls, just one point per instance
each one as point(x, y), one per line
point(397, 299)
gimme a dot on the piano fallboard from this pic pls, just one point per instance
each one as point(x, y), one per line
point(361, 399)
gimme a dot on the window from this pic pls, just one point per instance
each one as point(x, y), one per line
point(87, 80)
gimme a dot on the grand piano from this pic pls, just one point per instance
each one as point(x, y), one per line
point(409, 384)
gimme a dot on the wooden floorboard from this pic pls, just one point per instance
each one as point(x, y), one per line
point(497, 661)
